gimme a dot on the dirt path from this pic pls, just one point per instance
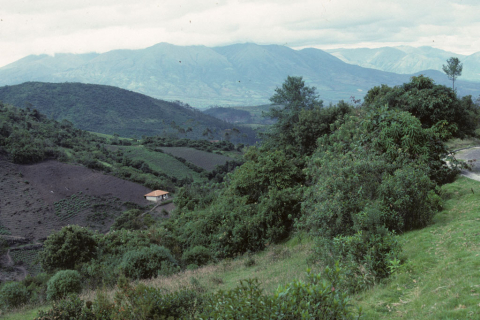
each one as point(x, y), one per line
point(21, 268)
point(10, 261)
point(472, 156)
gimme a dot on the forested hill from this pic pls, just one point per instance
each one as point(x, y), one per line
point(110, 110)
point(238, 74)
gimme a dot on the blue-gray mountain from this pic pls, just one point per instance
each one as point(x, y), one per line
point(239, 74)
point(407, 60)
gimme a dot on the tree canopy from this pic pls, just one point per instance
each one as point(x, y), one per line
point(453, 69)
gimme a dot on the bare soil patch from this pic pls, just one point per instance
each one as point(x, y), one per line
point(38, 199)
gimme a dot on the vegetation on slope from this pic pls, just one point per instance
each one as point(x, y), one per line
point(375, 172)
point(112, 110)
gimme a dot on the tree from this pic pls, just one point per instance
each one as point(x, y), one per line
point(453, 69)
point(433, 104)
point(293, 97)
point(68, 247)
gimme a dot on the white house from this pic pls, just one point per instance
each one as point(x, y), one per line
point(156, 196)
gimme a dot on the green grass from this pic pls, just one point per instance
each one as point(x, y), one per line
point(441, 279)
point(161, 162)
point(26, 313)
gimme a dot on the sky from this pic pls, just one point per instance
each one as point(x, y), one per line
point(81, 26)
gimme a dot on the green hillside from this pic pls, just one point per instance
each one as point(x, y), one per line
point(110, 110)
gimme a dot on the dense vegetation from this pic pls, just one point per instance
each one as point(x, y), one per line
point(110, 110)
point(350, 178)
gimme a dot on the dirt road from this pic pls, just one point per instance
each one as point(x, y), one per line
point(472, 157)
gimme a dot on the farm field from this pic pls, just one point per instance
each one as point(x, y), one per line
point(161, 162)
point(202, 159)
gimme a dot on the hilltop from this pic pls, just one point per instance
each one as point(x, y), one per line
point(110, 110)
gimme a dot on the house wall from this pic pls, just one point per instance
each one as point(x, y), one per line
point(155, 199)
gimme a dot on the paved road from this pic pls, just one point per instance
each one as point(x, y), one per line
point(472, 156)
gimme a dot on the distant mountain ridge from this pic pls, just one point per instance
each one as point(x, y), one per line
point(408, 60)
point(239, 74)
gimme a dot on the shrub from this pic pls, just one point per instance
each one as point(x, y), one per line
point(148, 262)
point(317, 298)
point(68, 247)
point(13, 294)
point(151, 303)
point(365, 257)
point(129, 220)
point(63, 283)
point(198, 255)
point(66, 309)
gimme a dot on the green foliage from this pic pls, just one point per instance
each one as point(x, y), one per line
point(63, 283)
point(453, 69)
point(148, 262)
point(372, 175)
point(294, 97)
point(71, 206)
point(65, 249)
point(317, 298)
point(72, 307)
point(13, 294)
point(129, 220)
point(365, 256)
point(198, 255)
point(108, 109)
point(142, 302)
point(434, 105)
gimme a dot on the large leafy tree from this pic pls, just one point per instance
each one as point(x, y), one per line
point(65, 249)
point(289, 100)
point(300, 118)
point(376, 170)
point(453, 69)
point(434, 105)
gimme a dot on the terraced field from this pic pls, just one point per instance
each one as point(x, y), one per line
point(161, 162)
point(202, 159)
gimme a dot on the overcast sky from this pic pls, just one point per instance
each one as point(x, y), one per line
point(79, 26)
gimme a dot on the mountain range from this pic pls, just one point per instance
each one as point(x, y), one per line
point(239, 74)
point(408, 60)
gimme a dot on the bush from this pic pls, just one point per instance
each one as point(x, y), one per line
point(67, 309)
point(13, 294)
point(129, 220)
point(317, 298)
point(365, 258)
point(198, 255)
point(63, 283)
point(68, 247)
point(151, 303)
point(148, 262)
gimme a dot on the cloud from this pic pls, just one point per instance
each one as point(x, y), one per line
point(49, 26)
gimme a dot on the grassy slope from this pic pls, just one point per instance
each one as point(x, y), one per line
point(439, 281)
point(161, 162)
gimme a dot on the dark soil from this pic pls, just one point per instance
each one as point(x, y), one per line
point(38, 199)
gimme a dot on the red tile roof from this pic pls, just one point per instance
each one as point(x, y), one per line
point(156, 193)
